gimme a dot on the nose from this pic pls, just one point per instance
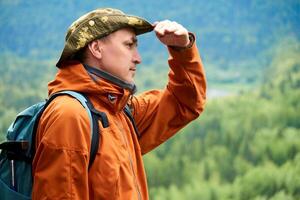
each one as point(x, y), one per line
point(137, 57)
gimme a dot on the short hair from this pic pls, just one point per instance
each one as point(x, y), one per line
point(80, 55)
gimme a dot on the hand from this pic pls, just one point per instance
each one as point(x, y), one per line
point(171, 33)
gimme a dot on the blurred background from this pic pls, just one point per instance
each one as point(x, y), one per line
point(246, 145)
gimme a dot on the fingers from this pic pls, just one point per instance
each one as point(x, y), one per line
point(155, 23)
point(180, 30)
point(164, 27)
point(171, 33)
point(167, 26)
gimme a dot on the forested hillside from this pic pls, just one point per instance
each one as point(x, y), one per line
point(233, 36)
point(245, 145)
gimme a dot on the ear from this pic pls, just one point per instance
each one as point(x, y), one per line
point(95, 49)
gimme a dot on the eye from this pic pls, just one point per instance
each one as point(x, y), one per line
point(131, 44)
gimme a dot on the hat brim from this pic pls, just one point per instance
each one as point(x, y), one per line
point(139, 25)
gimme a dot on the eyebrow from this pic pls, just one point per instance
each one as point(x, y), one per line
point(132, 39)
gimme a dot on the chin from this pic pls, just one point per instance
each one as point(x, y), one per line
point(130, 81)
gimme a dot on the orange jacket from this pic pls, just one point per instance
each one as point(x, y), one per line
point(60, 166)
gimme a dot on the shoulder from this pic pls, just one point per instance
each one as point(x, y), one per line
point(148, 96)
point(65, 113)
point(65, 125)
point(66, 106)
point(146, 100)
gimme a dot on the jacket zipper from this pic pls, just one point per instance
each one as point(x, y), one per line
point(135, 179)
point(131, 164)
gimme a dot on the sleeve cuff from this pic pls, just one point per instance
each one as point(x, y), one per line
point(186, 53)
point(192, 41)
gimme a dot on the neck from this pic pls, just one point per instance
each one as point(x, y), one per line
point(111, 78)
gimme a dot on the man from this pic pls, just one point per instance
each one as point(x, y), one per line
point(100, 59)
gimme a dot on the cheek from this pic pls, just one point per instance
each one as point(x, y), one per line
point(116, 66)
point(117, 61)
point(122, 61)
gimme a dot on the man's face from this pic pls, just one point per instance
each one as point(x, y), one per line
point(119, 55)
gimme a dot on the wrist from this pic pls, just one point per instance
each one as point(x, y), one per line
point(189, 45)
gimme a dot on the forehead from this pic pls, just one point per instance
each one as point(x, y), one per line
point(123, 34)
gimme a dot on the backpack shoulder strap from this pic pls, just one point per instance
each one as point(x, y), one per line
point(128, 112)
point(96, 116)
point(85, 102)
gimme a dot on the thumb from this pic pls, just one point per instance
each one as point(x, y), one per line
point(155, 23)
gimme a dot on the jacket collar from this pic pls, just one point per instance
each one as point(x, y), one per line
point(111, 78)
point(100, 86)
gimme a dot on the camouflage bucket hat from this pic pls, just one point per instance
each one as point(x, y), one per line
point(97, 24)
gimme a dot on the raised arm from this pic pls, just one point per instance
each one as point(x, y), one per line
point(160, 114)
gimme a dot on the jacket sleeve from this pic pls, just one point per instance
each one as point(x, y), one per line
point(60, 165)
point(160, 114)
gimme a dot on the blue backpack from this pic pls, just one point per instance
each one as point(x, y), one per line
point(18, 151)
